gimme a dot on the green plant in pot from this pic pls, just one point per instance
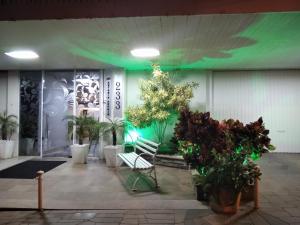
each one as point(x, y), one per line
point(226, 178)
point(113, 127)
point(8, 126)
point(250, 140)
point(206, 144)
point(85, 128)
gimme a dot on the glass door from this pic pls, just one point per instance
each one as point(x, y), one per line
point(46, 98)
point(30, 113)
point(58, 102)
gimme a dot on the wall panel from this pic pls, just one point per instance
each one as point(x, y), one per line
point(13, 102)
point(274, 95)
point(3, 90)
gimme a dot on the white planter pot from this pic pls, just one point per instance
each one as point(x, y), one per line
point(6, 149)
point(111, 155)
point(79, 153)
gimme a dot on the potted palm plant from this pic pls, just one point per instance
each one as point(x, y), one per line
point(111, 151)
point(85, 128)
point(8, 125)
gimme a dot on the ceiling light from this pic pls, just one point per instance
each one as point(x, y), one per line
point(24, 54)
point(145, 52)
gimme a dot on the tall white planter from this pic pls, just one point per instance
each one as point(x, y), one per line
point(111, 155)
point(6, 149)
point(79, 153)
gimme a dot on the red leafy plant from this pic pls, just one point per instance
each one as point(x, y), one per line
point(221, 152)
point(197, 135)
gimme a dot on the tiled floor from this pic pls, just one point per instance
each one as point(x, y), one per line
point(95, 186)
point(142, 217)
point(279, 202)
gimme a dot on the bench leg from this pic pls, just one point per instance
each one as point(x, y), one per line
point(155, 178)
point(133, 188)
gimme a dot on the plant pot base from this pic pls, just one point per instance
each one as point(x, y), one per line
point(226, 209)
point(231, 209)
point(248, 194)
point(201, 195)
point(79, 153)
point(6, 149)
point(111, 155)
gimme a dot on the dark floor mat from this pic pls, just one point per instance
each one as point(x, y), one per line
point(28, 169)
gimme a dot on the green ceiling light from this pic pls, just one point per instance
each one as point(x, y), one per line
point(145, 52)
point(22, 54)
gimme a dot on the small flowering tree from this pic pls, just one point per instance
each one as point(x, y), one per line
point(162, 99)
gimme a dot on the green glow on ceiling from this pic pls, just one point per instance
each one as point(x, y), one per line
point(111, 58)
point(268, 39)
point(276, 35)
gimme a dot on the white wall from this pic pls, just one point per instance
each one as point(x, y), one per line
point(274, 95)
point(3, 91)
point(13, 102)
point(199, 100)
point(243, 95)
point(9, 99)
point(116, 75)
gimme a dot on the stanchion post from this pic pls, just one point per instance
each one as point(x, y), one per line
point(256, 195)
point(40, 189)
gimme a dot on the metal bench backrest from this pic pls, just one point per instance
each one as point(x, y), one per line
point(146, 146)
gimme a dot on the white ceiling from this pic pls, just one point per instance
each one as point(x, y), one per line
point(247, 41)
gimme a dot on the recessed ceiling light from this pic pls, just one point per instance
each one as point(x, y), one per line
point(23, 54)
point(145, 52)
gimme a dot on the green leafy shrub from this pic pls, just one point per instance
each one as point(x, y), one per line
point(231, 171)
point(162, 100)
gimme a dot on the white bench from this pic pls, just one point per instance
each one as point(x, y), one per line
point(137, 163)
